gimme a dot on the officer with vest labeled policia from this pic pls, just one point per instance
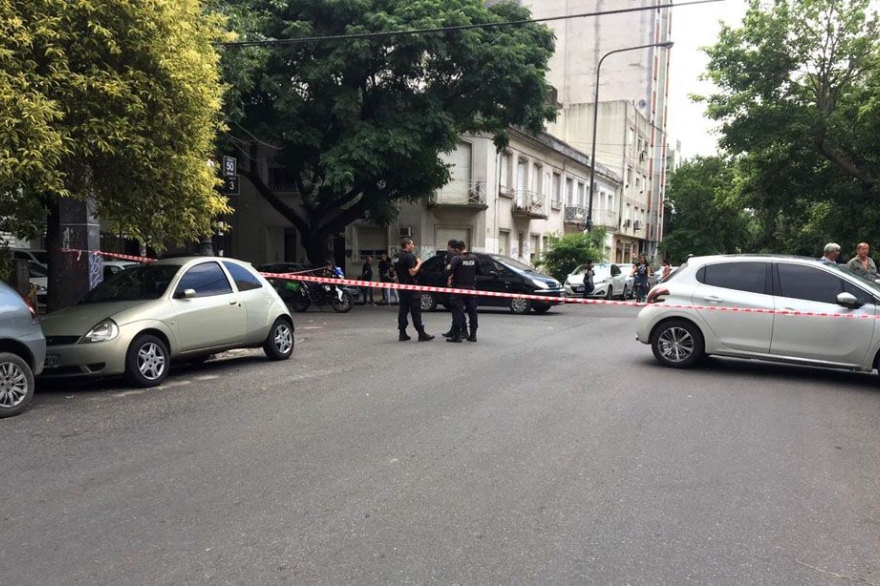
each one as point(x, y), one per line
point(462, 274)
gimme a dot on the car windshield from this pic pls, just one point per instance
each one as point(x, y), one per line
point(514, 264)
point(37, 270)
point(136, 284)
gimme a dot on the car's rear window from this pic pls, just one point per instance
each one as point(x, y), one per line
point(679, 270)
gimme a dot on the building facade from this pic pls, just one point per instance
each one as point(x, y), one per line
point(639, 78)
point(508, 203)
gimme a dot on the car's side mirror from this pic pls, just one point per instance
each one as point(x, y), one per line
point(185, 294)
point(848, 300)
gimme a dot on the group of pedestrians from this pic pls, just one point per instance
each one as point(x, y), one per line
point(386, 275)
point(861, 264)
point(641, 272)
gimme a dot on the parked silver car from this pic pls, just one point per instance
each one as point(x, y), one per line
point(681, 321)
point(22, 351)
point(180, 309)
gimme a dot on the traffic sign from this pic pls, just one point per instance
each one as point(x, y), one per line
point(230, 166)
point(230, 185)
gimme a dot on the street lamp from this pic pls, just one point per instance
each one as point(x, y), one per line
point(664, 44)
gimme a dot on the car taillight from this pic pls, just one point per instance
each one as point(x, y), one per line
point(656, 293)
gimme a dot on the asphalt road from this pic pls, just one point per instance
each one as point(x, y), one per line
point(553, 451)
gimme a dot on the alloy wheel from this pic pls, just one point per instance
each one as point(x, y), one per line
point(676, 344)
point(283, 338)
point(13, 385)
point(151, 361)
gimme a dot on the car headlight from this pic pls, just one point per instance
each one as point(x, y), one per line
point(540, 284)
point(103, 332)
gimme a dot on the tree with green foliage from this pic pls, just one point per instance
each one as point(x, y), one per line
point(359, 123)
point(566, 252)
point(706, 215)
point(799, 103)
point(115, 101)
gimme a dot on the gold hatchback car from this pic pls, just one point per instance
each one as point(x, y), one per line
point(182, 309)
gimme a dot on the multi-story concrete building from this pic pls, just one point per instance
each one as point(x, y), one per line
point(631, 134)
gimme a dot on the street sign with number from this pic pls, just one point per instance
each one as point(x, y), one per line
point(230, 166)
point(230, 185)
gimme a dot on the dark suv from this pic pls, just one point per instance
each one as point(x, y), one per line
point(497, 273)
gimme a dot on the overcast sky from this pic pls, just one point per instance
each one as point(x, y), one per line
point(694, 27)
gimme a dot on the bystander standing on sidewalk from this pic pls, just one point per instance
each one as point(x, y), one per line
point(386, 275)
point(367, 275)
point(862, 264)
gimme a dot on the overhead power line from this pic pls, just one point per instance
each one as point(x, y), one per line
point(464, 27)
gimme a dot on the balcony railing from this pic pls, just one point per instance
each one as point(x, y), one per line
point(601, 218)
point(575, 215)
point(460, 195)
point(529, 204)
point(506, 191)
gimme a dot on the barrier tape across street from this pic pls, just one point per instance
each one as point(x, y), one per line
point(301, 276)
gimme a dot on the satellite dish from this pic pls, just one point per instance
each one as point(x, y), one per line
point(642, 103)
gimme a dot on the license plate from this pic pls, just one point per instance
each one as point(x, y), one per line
point(52, 361)
point(578, 289)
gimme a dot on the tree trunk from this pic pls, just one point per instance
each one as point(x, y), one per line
point(317, 245)
point(53, 250)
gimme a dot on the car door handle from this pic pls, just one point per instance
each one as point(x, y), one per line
point(712, 299)
point(233, 302)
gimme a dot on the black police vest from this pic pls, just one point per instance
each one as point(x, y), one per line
point(464, 271)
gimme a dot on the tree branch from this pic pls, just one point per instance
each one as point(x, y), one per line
point(275, 201)
point(845, 164)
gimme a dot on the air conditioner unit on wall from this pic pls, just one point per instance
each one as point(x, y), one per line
point(405, 232)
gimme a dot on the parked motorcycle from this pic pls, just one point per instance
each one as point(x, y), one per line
point(300, 295)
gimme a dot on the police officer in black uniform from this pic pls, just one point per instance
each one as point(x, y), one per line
point(463, 275)
point(407, 268)
point(452, 248)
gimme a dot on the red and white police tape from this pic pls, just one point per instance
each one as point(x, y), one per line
point(302, 276)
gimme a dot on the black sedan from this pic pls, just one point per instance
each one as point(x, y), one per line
point(497, 273)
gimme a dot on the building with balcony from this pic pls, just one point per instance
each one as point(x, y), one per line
point(508, 203)
point(632, 116)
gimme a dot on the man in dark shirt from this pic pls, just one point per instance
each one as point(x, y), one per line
point(367, 275)
point(407, 268)
point(463, 275)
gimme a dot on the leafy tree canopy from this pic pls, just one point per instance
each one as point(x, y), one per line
point(799, 103)
point(566, 252)
point(117, 100)
point(706, 216)
point(359, 123)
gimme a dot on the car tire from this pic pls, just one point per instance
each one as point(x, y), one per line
point(147, 361)
point(610, 293)
point(16, 384)
point(520, 306)
point(427, 301)
point(541, 307)
point(628, 293)
point(677, 343)
point(279, 342)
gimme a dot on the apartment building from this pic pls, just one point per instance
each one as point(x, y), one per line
point(633, 80)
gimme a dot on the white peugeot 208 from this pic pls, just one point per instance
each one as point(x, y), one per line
point(779, 308)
